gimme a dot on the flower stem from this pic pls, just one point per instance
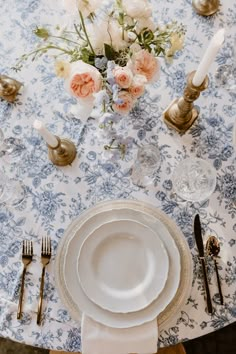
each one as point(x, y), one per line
point(85, 32)
point(122, 26)
point(64, 39)
point(104, 106)
point(42, 49)
point(35, 52)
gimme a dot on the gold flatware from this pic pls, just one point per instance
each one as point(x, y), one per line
point(45, 259)
point(213, 249)
point(199, 242)
point(27, 255)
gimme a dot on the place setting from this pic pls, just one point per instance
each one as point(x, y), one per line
point(117, 178)
point(122, 267)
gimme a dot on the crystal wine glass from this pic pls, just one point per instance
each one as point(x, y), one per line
point(194, 180)
point(11, 149)
point(146, 164)
point(12, 192)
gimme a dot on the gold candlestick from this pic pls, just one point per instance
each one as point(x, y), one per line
point(206, 7)
point(9, 88)
point(63, 154)
point(181, 113)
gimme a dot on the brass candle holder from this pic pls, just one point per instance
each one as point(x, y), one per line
point(181, 113)
point(63, 154)
point(205, 7)
point(9, 88)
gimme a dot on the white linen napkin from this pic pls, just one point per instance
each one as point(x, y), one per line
point(97, 338)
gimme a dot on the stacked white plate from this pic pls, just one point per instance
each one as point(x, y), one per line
point(123, 263)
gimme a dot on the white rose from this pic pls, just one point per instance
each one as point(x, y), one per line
point(137, 8)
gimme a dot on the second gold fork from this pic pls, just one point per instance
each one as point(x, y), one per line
point(45, 259)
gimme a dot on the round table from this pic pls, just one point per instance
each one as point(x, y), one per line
point(57, 195)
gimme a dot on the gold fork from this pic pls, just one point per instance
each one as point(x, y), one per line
point(27, 255)
point(45, 259)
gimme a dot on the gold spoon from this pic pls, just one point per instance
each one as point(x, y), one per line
point(213, 249)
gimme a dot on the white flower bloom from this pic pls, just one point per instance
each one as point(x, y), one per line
point(145, 23)
point(115, 32)
point(98, 35)
point(108, 32)
point(137, 8)
point(86, 7)
point(135, 47)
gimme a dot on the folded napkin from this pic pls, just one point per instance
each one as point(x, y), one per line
point(97, 338)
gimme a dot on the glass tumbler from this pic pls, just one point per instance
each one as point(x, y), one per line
point(12, 192)
point(146, 164)
point(194, 180)
point(11, 149)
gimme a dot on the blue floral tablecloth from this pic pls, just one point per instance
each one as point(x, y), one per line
point(57, 195)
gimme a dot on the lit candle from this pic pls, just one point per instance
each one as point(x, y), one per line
point(208, 57)
point(50, 139)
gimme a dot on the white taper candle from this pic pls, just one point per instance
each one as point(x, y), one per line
point(208, 57)
point(46, 135)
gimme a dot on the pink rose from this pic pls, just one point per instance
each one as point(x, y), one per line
point(138, 86)
point(84, 80)
point(123, 76)
point(144, 63)
point(126, 103)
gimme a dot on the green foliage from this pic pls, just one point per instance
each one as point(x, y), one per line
point(110, 53)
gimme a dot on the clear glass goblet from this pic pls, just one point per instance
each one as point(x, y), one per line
point(146, 164)
point(194, 180)
point(12, 192)
point(11, 149)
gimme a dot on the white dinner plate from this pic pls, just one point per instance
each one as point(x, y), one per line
point(73, 239)
point(148, 215)
point(122, 266)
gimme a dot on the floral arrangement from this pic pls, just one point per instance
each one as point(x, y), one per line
point(110, 56)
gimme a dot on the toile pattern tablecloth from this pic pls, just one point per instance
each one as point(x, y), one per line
point(55, 196)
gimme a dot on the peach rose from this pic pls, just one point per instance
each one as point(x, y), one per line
point(123, 76)
point(126, 103)
point(138, 86)
point(84, 80)
point(144, 63)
